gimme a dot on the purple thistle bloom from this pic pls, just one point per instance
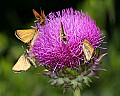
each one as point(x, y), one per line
point(52, 52)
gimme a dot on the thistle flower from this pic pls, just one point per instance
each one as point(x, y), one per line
point(68, 46)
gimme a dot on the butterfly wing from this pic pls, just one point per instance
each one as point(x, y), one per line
point(32, 41)
point(87, 49)
point(22, 64)
point(37, 15)
point(40, 17)
point(25, 35)
point(62, 34)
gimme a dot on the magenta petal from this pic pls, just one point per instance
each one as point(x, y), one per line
point(93, 74)
point(101, 56)
point(48, 49)
point(95, 67)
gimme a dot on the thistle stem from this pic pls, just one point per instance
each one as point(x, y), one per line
point(76, 92)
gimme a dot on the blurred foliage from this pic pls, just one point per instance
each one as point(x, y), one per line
point(30, 83)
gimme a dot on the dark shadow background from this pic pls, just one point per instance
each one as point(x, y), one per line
point(17, 14)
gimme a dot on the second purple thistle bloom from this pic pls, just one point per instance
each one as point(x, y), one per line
point(54, 53)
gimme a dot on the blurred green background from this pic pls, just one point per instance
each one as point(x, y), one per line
point(17, 14)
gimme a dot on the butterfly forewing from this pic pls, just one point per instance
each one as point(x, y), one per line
point(40, 17)
point(32, 41)
point(25, 35)
point(62, 34)
point(37, 15)
point(22, 64)
point(88, 50)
